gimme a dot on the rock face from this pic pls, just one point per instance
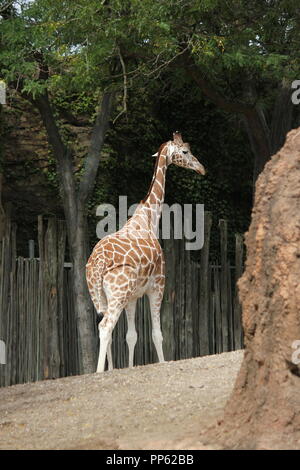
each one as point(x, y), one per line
point(264, 409)
point(26, 188)
point(28, 165)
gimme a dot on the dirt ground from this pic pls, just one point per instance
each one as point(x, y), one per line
point(159, 406)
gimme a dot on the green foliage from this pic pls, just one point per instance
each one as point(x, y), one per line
point(236, 43)
point(75, 50)
point(217, 140)
point(1, 138)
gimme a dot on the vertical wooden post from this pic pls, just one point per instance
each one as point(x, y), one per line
point(218, 316)
point(224, 284)
point(5, 268)
point(230, 309)
point(34, 312)
point(50, 347)
point(188, 304)
point(204, 288)
point(177, 300)
point(237, 319)
point(31, 249)
point(196, 291)
point(181, 303)
point(168, 305)
point(61, 248)
point(42, 301)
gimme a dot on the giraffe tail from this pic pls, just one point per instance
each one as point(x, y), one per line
point(94, 275)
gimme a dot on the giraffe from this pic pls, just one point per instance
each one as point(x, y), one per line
point(129, 263)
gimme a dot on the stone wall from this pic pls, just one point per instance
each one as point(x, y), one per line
point(29, 185)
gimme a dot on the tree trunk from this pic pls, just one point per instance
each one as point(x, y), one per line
point(282, 118)
point(265, 138)
point(85, 316)
point(2, 212)
point(74, 202)
point(259, 137)
point(84, 310)
point(264, 409)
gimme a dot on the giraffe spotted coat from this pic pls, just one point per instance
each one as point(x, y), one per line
point(129, 263)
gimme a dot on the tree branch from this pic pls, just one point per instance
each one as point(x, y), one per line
point(64, 161)
point(124, 110)
point(210, 91)
point(281, 122)
point(91, 163)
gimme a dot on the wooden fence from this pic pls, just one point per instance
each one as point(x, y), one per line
point(200, 313)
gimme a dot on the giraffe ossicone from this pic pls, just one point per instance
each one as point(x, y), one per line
point(130, 263)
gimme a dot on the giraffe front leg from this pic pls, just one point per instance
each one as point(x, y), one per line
point(109, 356)
point(155, 299)
point(131, 335)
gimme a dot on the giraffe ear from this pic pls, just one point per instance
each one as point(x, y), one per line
point(155, 155)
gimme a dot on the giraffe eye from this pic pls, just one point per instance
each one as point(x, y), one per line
point(185, 152)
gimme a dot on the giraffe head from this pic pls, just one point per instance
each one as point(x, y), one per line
point(179, 153)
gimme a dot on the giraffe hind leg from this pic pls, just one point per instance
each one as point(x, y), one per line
point(119, 286)
point(106, 327)
point(131, 336)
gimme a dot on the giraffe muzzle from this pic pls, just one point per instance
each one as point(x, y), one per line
point(199, 169)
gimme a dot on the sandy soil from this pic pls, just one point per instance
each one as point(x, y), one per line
point(159, 406)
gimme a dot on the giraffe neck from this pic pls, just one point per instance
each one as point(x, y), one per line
point(156, 194)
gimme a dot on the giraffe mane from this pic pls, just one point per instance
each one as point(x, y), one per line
point(155, 171)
